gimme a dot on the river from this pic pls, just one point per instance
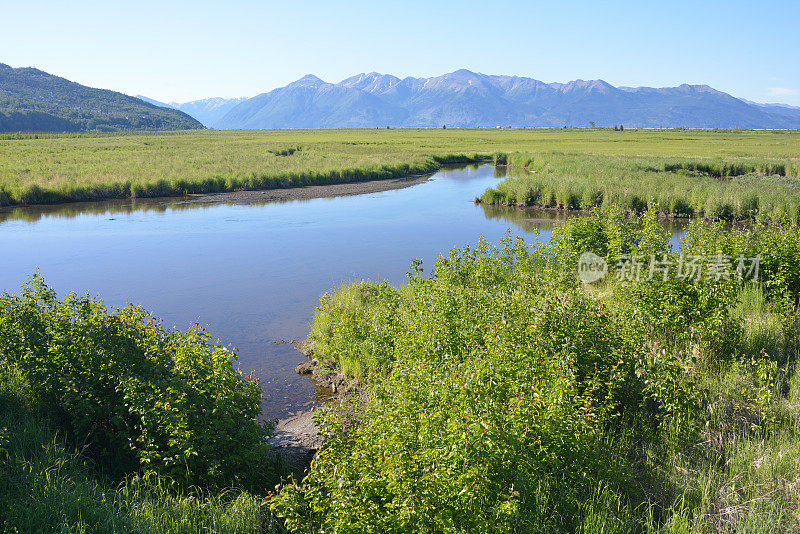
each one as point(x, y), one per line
point(253, 272)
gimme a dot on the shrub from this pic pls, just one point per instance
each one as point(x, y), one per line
point(609, 232)
point(502, 388)
point(143, 397)
point(777, 244)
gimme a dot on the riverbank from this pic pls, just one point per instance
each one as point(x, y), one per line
point(297, 438)
point(308, 192)
point(263, 196)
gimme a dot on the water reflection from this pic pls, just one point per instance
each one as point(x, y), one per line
point(526, 219)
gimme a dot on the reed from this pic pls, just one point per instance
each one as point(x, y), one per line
point(733, 188)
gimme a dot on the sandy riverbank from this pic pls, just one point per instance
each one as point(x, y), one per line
point(307, 192)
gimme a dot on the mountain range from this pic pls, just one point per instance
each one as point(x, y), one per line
point(208, 110)
point(32, 100)
point(465, 98)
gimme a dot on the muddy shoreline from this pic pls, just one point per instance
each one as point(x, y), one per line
point(307, 192)
point(257, 196)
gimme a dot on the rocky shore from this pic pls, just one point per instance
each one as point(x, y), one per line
point(297, 438)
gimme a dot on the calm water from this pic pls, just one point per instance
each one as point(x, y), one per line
point(253, 273)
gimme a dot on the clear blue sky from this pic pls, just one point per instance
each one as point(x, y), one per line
point(181, 50)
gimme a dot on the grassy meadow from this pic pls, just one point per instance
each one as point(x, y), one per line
point(575, 167)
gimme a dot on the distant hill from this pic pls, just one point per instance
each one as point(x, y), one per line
point(35, 101)
point(785, 110)
point(208, 110)
point(465, 98)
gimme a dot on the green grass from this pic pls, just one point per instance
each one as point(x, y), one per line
point(721, 184)
point(37, 169)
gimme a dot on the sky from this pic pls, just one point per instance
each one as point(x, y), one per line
point(181, 50)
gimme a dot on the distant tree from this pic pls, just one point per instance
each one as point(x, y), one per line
point(444, 126)
point(591, 123)
point(621, 128)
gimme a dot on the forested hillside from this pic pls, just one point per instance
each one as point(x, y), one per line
point(35, 101)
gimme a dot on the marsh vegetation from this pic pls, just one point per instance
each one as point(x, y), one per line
point(714, 187)
point(39, 168)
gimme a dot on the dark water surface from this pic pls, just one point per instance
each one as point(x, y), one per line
point(253, 273)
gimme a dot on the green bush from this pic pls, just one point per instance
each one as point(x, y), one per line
point(503, 386)
point(777, 244)
point(47, 485)
point(144, 398)
point(610, 232)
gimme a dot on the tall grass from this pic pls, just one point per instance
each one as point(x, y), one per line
point(739, 187)
point(60, 168)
